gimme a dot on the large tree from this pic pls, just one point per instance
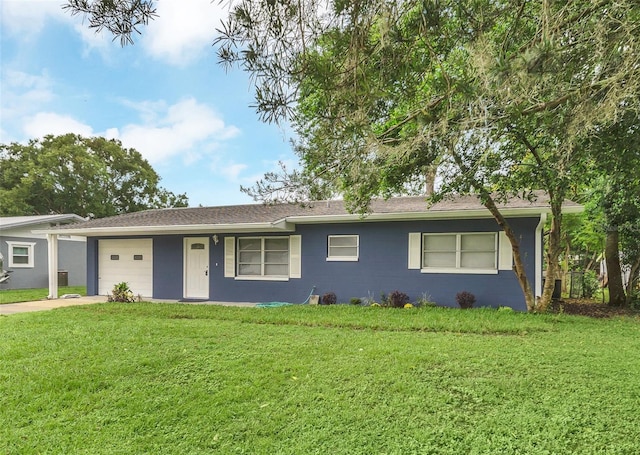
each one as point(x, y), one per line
point(504, 93)
point(72, 174)
point(617, 180)
point(500, 93)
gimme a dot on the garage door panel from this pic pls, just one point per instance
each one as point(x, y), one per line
point(126, 260)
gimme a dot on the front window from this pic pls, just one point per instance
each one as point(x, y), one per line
point(343, 248)
point(21, 255)
point(263, 256)
point(463, 252)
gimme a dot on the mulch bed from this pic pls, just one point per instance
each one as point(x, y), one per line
point(585, 307)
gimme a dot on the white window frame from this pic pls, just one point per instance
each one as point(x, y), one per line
point(343, 258)
point(458, 267)
point(262, 276)
point(30, 254)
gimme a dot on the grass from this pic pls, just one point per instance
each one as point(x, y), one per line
point(28, 295)
point(188, 379)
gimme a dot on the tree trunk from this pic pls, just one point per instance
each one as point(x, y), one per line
point(430, 180)
point(614, 273)
point(553, 252)
point(632, 278)
point(515, 248)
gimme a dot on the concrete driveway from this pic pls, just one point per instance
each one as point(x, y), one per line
point(41, 305)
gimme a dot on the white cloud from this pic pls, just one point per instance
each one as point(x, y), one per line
point(44, 123)
point(23, 95)
point(183, 30)
point(93, 41)
point(232, 171)
point(186, 128)
point(26, 18)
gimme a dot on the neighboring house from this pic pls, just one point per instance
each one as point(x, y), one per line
point(25, 255)
point(265, 253)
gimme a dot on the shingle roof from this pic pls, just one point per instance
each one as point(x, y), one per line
point(266, 214)
point(8, 222)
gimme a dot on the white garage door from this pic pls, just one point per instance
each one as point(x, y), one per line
point(127, 260)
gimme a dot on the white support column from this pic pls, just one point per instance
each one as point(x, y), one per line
point(52, 248)
point(539, 246)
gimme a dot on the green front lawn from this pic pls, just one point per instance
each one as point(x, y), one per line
point(29, 295)
point(178, 379)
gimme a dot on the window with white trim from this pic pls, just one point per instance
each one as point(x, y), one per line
point(263, 257)
point(460, 252)
point(21, 254)
point(343, 247)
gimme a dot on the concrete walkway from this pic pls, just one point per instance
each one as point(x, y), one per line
point(42, 305)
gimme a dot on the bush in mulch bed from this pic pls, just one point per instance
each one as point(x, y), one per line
point(591, 308)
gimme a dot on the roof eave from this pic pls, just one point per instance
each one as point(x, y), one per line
point(428, 215)
point(280, 226)
point(50, 219)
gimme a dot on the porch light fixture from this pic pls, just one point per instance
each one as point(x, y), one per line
point(215, 239)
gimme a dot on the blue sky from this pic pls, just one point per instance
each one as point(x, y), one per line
point(166, 96)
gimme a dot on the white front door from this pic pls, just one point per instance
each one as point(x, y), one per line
point(196, 268)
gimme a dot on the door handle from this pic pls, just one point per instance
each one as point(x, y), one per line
point(206, 273)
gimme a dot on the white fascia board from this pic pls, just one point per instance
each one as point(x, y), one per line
point(429, 215)
point(44, 219)
point(411, 216)
point(281, 226)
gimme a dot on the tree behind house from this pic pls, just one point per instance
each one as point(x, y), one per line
point(72, 174)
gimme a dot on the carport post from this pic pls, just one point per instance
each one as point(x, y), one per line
point(52, 248)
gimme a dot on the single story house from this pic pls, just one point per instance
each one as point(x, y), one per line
point(283, 252)
point(25, 257)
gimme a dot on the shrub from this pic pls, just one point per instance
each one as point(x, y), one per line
point(397, 299)
point(329, 298)
point(121, 293)
point(368, 300)
point(425, 301)
point(355, 301)
point(590, 283)
point(465, 299)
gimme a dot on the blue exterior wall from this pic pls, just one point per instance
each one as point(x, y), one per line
point(168, 279)
point(382, 266)
point(70, 254)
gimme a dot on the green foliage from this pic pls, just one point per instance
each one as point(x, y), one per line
point(122, 293)
point(590, 283)
point(72, 174)
point(142, 378)
point(425, 301)
point(121, 18)
point(355, 301)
